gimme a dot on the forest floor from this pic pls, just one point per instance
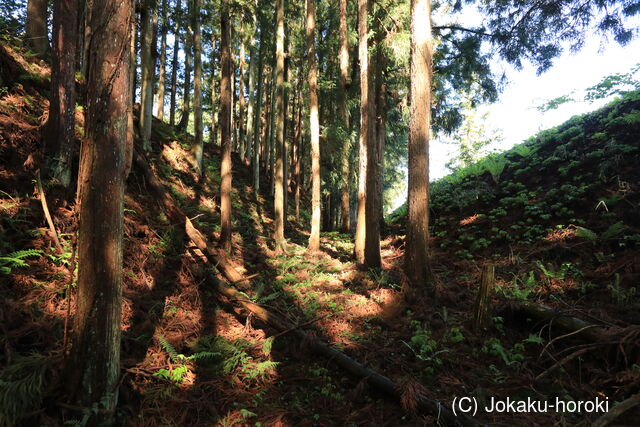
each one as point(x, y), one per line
point(190, 357)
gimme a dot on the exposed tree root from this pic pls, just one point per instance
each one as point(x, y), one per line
point(220, 260)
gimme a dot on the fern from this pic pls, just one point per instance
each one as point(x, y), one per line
point(16, 259)
point(23, 385)
point(495, 165)
point(260, 369)
point(180, 358)
point(586, 233)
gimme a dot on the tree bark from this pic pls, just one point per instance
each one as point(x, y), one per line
point(373, 201)
point(344, 115)
point(256, 130)
point(198, 146)
point(188, 57)
point(94, 365)
point(241, 99)
point(134, 53)
point(214, 97)
point(279, 148)
point(149, 19)
point(416, 260)
point(60, 128)
point(36, 26)
point(174, 64)
point(252, 97)
point(381, 123)
point(225, 128)
point(367, 244)
point(314, 127)
point(163, 62)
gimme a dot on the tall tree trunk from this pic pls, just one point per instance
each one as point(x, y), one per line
point(61, 125)
point(364, 254)
point(94, 364)
point(272, 129)
point(373, 202)
point(344, 115)
point(214, 96)
point(416, 260)
point(188, 57)
point(285, 141)
point(36, 26)
point(314, 127)
point(175, 64)
point(381, 122)
point(198, 147)
point(149, 19)
point(297, 139)
point(225, 127)
point(164, 27)
point(256, 130)
point(133, 52)
point(241, 99)
point(280, 244)
point(268, 107)
point(252, 97)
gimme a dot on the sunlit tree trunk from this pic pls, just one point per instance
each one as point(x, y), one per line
point(133, 52)
point(279, 148)
point(268, 98)
point(94, 364)
point(416, 252)
point(61, 124)
point(149, 18)
point(214, 97)
point(297, 141)
point(344, 116)
point(36, 26)
point(381, 122)
point(367, 244)
point(241, 98)
point(225, 127)
point(314, 127)
point(252, 97)
point(163, 61)
point(198, 147)
point(285, 141)
point(272, 130)
point(257, 127)
point(188, 58)
point(175, 64)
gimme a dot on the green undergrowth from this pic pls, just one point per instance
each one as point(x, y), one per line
point(577, 176)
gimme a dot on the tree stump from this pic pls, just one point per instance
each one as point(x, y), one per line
point(481, 309)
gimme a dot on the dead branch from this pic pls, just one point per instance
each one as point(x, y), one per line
point(617, 410)
point(45, 208)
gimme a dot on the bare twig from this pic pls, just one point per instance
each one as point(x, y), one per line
point(562, 362)
point(45, 208)
point(566, 336)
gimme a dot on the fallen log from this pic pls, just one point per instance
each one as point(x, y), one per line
point(565, 323)
point(218, 257)
point(220, 261)
point(374, 379)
